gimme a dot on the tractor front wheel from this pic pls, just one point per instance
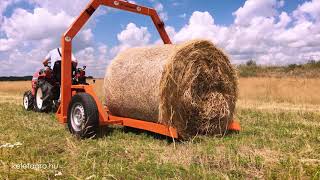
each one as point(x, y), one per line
point(83, 117)
point(27, 100)
point(42, 99)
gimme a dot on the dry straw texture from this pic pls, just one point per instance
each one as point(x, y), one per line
point(191, 86)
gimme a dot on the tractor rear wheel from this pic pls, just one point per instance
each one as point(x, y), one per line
point(43, 97)
point(28, 100)
point(83, 117)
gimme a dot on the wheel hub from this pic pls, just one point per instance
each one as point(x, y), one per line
point(77, 117)
point(39, 98)
point(26, 102)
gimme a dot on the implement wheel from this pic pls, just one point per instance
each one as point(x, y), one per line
point(83, 117)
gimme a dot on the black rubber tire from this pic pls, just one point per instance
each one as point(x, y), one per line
point(28, 95)
point(46, 91)
point(89, 127)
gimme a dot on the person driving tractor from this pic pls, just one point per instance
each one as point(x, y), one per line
point(53, 61)
point(55, 55)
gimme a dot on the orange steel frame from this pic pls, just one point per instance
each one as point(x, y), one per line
point(68, 90)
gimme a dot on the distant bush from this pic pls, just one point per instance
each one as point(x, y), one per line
point(251, 69)
point(292, 67)
point(313, 64)
point(251, 63)
point(247, 71)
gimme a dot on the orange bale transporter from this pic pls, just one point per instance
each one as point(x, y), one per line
point(80, 107)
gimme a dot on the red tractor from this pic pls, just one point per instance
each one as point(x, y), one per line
point(45, 93)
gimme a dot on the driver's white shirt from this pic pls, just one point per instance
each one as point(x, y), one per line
point(54, 56)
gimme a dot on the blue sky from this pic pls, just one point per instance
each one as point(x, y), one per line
point(267, 31)
point(109, 25)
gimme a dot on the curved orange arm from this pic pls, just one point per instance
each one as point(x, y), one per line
point(66, 42)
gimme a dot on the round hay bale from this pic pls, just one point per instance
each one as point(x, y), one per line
point(192, 87)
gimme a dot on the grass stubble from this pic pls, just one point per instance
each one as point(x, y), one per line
point(280, 139)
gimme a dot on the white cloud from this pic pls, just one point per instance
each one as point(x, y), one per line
point(184, 15)
point(73, 8)
point(87, 54)
point(171, 33)
point(201, 25)
point(132, 36)
point(87, 34)
point(285, 19)
point(261, 33)
point(7, 44)
point(160, 10)
point(163, 16)
point(310, 8)
point(133, 2)
point(95, 58)
point(4, 5)
point(27, 36)
point(23, 25)
point(38, 27)
point(256, 8)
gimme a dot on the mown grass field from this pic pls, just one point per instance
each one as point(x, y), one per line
point(280, 139)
